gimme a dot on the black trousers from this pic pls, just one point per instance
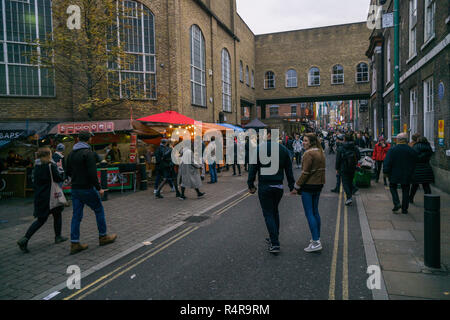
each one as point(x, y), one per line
point(414, 187)
point(39, 222)
point(270, 198)
point(379, 165)
point(298, 158)
point(405, 195)
point(234, 168)
point(347, 182)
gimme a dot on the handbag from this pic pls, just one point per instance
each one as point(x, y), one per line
point(57, 198)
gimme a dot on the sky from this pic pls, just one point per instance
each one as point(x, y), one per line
point(269, 16)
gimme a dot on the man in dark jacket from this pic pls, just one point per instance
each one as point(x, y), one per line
point(163, 162)
point(270, 189)
point(399, 166)
point(86, 190)
point(346, 160)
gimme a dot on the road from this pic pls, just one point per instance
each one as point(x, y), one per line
point(222, 255)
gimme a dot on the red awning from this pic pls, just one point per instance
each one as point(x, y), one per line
point(172, 117)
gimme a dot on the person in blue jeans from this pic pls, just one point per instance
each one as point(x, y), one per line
point(212, 164)
point(310, 184)
point(86, 190)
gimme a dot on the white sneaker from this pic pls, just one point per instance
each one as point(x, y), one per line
point(314, 246)
point(154, 191)
point(348, 202)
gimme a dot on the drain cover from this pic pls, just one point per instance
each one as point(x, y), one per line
point(196, 219)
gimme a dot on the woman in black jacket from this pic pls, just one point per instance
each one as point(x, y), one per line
point(423, 174)
point(42, 187)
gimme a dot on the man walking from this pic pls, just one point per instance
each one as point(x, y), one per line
point(346, 160)
point(399, 166)
point(86, 190)
point(270, 189)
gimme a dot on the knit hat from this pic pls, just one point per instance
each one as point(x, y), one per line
point(60, 147)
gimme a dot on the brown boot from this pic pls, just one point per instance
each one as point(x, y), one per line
point(107, 239)
point(76, 247)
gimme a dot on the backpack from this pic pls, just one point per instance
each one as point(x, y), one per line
point(349, 160)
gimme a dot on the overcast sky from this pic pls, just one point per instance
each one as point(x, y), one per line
point(268, 16)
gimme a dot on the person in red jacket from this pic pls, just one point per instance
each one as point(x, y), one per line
point(379, 153)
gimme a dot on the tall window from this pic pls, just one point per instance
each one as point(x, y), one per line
point(314, 77)
point(274, 111)
point(293, 110)
point(414, 111)
point(21, 23)
point(362, 72)
point(388, 60)
point(253, 79)
point(428, 107)
point(389, 124)
point(247, 77)
point(137, 78)
point(337, 75)
point(430, 9)
point(291, 78)
point(269, 80)
point(412, 27)
point(374, 75)
point(241, 72)
point(198, 67)
point(226, 81)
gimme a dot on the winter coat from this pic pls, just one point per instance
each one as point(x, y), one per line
point(400, 163)
point(42, 184)
point(82, 168)
point(188, 171)
point(379, 153)
point(343, 152)
point(423, 172)
point(313, 165)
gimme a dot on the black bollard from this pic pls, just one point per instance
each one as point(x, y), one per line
point(143, 173)
point(432, 232)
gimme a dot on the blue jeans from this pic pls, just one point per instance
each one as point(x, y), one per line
point(269, 199)
point(213, 172)
point(91, 198)
point(311, 206)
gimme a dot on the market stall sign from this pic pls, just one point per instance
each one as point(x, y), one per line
point(94, 127)
point(11, 134)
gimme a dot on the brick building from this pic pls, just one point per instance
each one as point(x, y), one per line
point(424, 77)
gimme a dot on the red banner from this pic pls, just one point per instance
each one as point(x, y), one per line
point(95, 127)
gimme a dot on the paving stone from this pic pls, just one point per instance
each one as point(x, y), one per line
point(392, 235)
point(405, 225)
point(399, 262)
point(380, 224)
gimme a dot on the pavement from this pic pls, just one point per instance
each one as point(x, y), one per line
point(399, 242)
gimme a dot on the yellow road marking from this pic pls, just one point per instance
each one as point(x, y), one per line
point(331, 293)
point(345, 258)
point(232, 204)
point(129, 262)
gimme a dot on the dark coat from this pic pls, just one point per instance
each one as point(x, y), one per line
point(423, 172)
point(400, 163)
point(42, 186)
point(343, 151)
point(82, 168)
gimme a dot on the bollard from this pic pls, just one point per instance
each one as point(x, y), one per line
point(143, 173)
point(432, 231)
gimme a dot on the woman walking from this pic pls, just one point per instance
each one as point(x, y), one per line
point(310, 184)
point(379, 154)
point(423, 173)
point(42, 185)
point(298, 148)
point(189, 173)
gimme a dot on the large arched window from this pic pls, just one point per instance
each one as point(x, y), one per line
point(291, 78)
point(362, 72)
point(247, 77)
point(314, 77)
point(226, 81)
point(22, 22)
point(337, 76)
point(269, 80)
point(241, 71)
point(253, 79)
point(198, 67)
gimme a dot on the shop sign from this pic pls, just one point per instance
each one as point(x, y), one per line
point(94, 127)
point(441, 132)
point(10, 134)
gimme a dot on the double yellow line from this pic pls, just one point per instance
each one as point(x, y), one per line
point(104, 280)
point(332, 288)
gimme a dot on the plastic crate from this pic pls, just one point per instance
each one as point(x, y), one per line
point(363, 178)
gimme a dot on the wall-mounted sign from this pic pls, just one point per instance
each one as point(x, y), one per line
point(71, 128)
point(441, 132)
point(388, 20)
point(441, 90)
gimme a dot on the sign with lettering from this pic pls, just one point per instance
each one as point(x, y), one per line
point(388, 20)
point(11, 134)
point(94, 127)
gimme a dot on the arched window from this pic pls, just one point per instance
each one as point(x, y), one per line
point(247, 77)
point(291, 78)
point(253, 79)
point(198, 67)
point(362, 72)
point(137, 79)
point(22, 22)
point(314, 77)
point(241, 71)
point(269, 80)
point(337, 76)
point(226, 81)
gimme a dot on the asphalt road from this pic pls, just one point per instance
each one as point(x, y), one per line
point(223, 256)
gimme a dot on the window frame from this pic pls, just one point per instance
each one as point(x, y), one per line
point(358, 72)
point(241, 71)
point(253, 79)
point(268, 80)
point(247, 76)
point(412, 30)
point(334, 75)
point(273, 114)
point(227, 102)
point(201, 68)
point(429, 22)
point(313, 77)
point(290, 78)
point(413, 111)
point(429, 113)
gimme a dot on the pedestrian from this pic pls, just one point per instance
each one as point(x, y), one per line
point(359, 141)
point(212, 161)
point(290, 147)
point(368, 140)
point(42, 182)
point(399, 166)
point(339, 145)
point(86, 190)
point(58, 157)
point(423, 173)
point(297, 146)
point(346, 161)
point(114, 154)
point(270, 188)
point(189, 173)
point(310, 185)
point(166, 168)
point(379, 154)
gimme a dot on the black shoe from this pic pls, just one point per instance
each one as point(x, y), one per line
point(23, 245)
point(159, 195)
point(405, 211)
point(200, 194)
point(60, 239)
point(274, 249)
point(181, 197)
point(334, 190)
point(396, 208)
